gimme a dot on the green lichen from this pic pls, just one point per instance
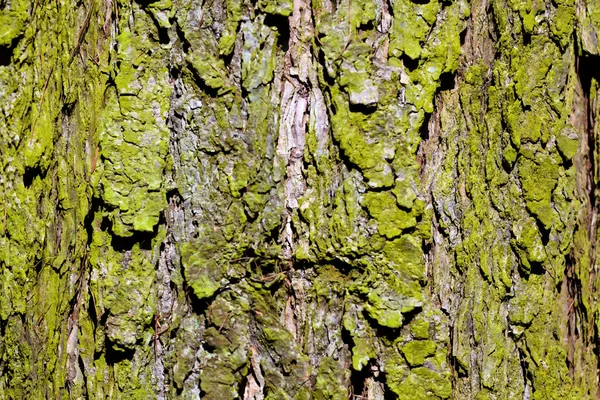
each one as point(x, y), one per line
point(13, 22)
point(417, 351)
point(283, 8)
point(424, 383)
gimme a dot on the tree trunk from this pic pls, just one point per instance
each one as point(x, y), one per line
point(272, 199)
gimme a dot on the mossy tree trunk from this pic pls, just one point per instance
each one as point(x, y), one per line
point(294, 199)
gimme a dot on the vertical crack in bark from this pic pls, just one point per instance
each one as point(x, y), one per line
point(580, 324)
point(302, 105)
point(292, 128)
point(302, 109)
point(587, 74)
point(72, 343)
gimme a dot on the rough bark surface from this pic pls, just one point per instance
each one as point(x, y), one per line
point(272, 199)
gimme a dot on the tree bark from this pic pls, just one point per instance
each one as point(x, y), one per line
point(353, 199)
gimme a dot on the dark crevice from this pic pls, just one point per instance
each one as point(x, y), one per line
point(342, 156)
point(174, 196)
point(329, 80)
point(359, 382)
point(357, 378)
point(587, 70)
point(457, 369)
point(579, 324)
point(571, 336)
point(380, 189)
point(244, 92)
point(342, 266)
point(272, 236)
point(198, 306)
point(507, 166)
point(409, 63)
point(544, 233)
point(68, 108)
point(282, 26)
point(89, 219)
point(567, 162)
point(163, 35)
point(384, 332)
point(463, 36)
point(527, 374)
point(30, 174)
point(6, 52)
point(144, 3)
point(101, 322)
point(204, 88)
point(536, 268)
point(365, 109)
point(228, 58)
point(447, 81)
point(443, 230)
point(105, 224)
point(424, 129)
point(91, 309)
point(185, 45)
point(115, 355)
point(174, 73)
point(369, 26)
point(410, 315)
point(83, 372)
point(242, 387)
point(123, 244)
point(387, 394)
point(5, 56)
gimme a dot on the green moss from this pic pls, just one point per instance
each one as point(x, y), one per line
point(283, 8)
point(209, 69)
point(13, 22)
point(539, 179)
point(420, 328)
point(386, 313)
point(424, 383)
point(528, 239)
point(362, 352)
point(405, 255)
point(163, 12)
point(218, 382)
point(351, 130)
point(234, 15)
point(530, 126)
point(126, 292)
point(562, 25)
point(390, 219)
point(405, 193)
point(416, 351)
point(134, 139)
point(568, 143)
point(331, 380)
point(408, 32)
point(389, 297)
point(203, 271)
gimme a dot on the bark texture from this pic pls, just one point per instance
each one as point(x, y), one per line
point(273, 199)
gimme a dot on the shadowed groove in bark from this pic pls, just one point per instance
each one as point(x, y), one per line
point(581, 262)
